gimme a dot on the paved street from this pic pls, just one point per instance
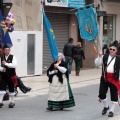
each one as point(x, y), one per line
point(32, 106)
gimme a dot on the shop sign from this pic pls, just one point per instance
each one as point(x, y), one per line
point(66, 3)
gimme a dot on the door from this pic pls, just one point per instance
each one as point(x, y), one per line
point(30, 54)
point(60, 25)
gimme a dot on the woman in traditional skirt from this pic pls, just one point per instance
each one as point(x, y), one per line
point(60, 93)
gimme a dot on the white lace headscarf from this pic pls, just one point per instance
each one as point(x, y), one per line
point(62, 56)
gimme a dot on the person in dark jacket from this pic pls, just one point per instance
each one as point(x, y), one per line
point(78, 55)
point(68, 53)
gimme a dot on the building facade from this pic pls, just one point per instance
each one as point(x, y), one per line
point(30, 44)
point(27, 38)
point(109, 22)
point(65, 25)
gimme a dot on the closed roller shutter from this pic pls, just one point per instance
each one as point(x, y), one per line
point(60, 25)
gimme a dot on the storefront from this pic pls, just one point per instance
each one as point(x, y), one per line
point(60, 25)
point(111, 24)
point(109, 29)
point(65, 25)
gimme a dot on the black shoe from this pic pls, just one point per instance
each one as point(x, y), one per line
point(105, 110)
point(24, 91)
point(28, 89)
point(111, 114)
point(61, 108)
point(49, 109)
point(11, 105)
point(1, 104)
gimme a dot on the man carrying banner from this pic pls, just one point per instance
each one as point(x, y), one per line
point(109, 79)
point(8, 75)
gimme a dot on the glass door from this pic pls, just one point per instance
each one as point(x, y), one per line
point(108, 29)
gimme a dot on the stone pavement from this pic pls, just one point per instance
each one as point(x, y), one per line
point(32, 106)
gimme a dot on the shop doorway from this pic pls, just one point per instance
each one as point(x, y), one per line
point(30, 54)
point(109, 27)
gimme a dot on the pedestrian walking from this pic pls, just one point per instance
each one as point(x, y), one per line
point(60, 93)
point(109, 79)
point(8, 76)
point(78, 55)
point(68, 53)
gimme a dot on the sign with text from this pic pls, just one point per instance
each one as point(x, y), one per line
point(66, 3)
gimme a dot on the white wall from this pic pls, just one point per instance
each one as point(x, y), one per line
point(19, 49)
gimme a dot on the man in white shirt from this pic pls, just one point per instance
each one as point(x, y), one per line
point(8, 63)
point(109, 79)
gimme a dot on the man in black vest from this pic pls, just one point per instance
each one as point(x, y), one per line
point(109, 79)
point(8, 63)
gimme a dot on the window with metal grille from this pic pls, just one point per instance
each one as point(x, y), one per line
point(29, 2)
point(18, 2)
point(29, 23)
point(18, 25)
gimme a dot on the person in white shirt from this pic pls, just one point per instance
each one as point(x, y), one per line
point(109, 79)
point(8, 76)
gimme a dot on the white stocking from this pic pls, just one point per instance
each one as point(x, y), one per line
point(105, 103)
point(1, 98)
point(112, 107)
point(11, 99)
point(2, 93)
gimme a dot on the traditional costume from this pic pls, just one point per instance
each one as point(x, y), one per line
point(110, 78)
point(8, 77)
point(60, 93)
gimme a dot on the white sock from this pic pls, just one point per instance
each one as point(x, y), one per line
point(12, 99)
point(1, 98)
point(112, 107)
point(105, 103)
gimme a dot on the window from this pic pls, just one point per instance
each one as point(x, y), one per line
point(29, 2)
point(18, 24)
point(108, 29)
point(18, 3)
point(29, 23)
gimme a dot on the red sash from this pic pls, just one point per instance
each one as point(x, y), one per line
point(110, 77)
point(14, 80)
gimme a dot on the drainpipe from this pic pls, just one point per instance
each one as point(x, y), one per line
point(1, 5)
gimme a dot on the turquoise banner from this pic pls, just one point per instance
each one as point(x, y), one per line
point(51, 37)
point(88, 24)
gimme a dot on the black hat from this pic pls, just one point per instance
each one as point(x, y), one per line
point(114, 45)
point(5, 46)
